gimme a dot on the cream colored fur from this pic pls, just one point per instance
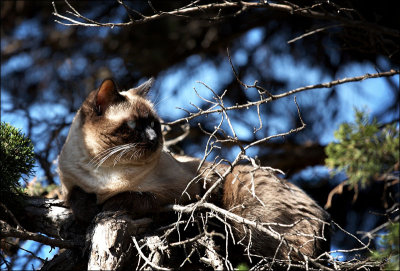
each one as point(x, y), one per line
point(76, 169)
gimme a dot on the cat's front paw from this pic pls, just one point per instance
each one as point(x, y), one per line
point(135, 203)
point(83, 205)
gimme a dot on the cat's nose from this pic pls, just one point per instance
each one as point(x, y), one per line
point(150, 134)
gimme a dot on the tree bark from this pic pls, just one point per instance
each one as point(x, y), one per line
point(111, 244)
point(51, 217)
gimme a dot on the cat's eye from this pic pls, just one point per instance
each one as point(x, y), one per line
point(131, 124)
point(152, 124)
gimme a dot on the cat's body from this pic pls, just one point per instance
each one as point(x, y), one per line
point(114, 153)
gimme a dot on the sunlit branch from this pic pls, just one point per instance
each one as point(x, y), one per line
point(242, 6)
point(150, 263)
point(8, 231)
point(285, 94)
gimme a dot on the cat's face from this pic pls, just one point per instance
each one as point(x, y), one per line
point(120, 127)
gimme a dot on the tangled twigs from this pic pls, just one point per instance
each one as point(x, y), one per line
point(154, 250)
point(231, 8)
point(153, 264)
point(260, 90)
point(212, 258)
point(212, 109)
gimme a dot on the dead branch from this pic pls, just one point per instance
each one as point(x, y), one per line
point(145, 258)
point(109, 230)
point(110, 240)
point(212, 258)
point(312, 32)
point(8, 231)
point(241, 6)
point(212, 110)
point(158, 248)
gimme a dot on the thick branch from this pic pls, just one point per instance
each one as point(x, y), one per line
point(7, 231)
point(110, 240)
point(45, 215)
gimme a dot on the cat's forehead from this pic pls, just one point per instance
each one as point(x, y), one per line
point(130, 95)
point(134, 107)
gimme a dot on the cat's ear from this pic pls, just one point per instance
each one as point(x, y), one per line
point(144, 88)
point(106, 95)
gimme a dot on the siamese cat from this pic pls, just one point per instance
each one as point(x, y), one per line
point(113, 159)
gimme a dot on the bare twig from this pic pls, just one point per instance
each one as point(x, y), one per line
point(331, 84)
point(241, 6)
point(13, 218)
point(371, 234)
point(312, 32)
point(8, 231)
point(213, 259)
point(156, 267)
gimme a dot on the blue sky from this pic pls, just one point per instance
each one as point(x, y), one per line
point(371, 94)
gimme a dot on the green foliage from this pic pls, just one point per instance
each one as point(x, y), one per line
point(389, 248)
point(364, 149)
point(16, 161)
point(242, 267)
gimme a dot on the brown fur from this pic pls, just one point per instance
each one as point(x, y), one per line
point(276, 201)
point(144, 177)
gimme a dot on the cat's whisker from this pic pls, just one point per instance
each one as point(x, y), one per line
point(116, 150)
point(119, 156)
point(159, 101)
point(136, 153)
point(103, 156)
point(99, 156)
point(129, 148)
point(99, 159)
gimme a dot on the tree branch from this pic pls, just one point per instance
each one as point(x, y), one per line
point(227, 5)
point(46, 215)
point(211, 109)
point(7, 231)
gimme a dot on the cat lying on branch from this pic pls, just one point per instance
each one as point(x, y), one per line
point(113, 159)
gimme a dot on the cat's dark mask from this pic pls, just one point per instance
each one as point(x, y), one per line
point(122, 124)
